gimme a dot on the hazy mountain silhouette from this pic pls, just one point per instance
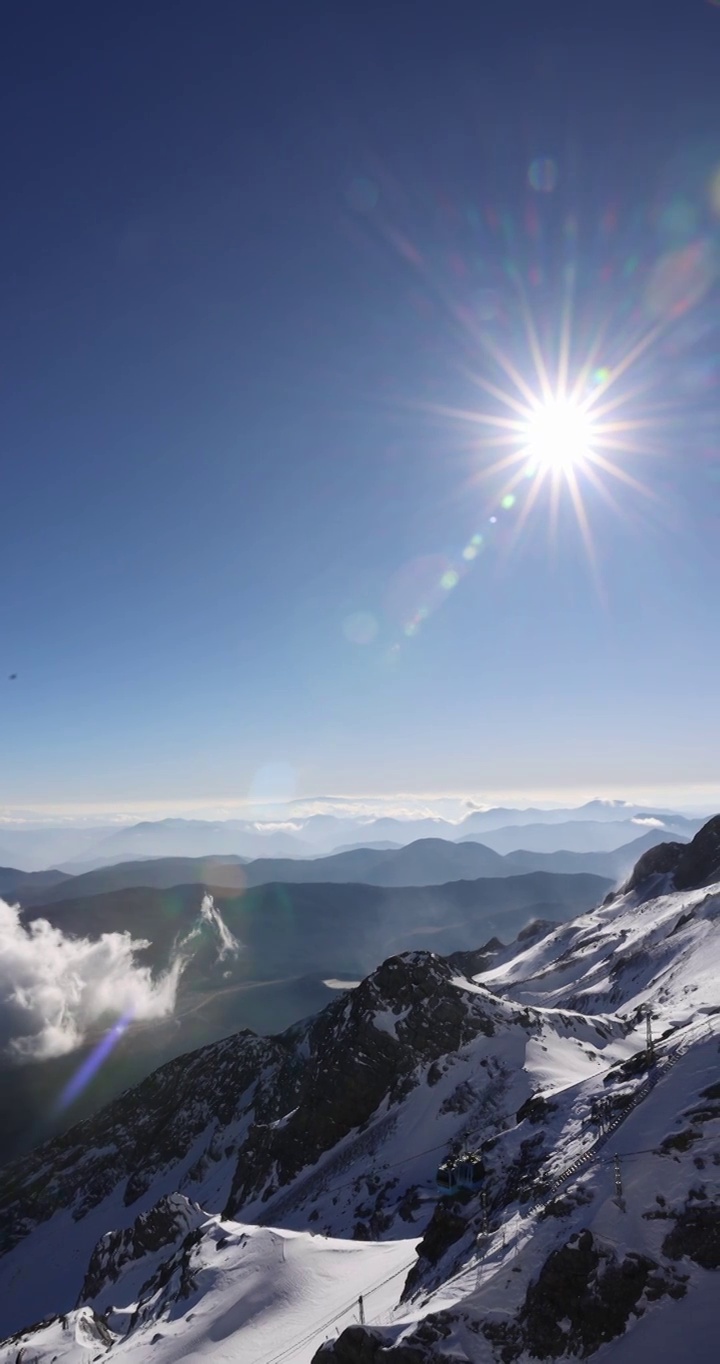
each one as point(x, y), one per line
point(29, 883)
point(293, 834)
point(288, 929)
point(425, 862)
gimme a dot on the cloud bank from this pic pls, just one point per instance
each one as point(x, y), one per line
point(56, 989)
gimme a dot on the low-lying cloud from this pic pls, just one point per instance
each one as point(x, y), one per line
point(55, 989)
point(228, 944)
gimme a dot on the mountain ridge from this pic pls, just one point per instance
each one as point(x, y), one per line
point(292, 832)
point(423, 862)
point(337, 1127)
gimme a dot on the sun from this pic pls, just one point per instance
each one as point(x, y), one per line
point(561, 430)
point(560, 422)
point(559, 436)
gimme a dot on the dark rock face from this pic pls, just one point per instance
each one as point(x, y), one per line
point(164, 1226)
point(691, 865)
point(700, 1114)
point(447, 1226)
point(358, 1345)
point(355, 1065)
point(696, 1234)
point(539, 928)
point(149, 1128)
point(536, 1109)
point(567, 1203)
point(582, 1298)
point(472, 963)
point(655, 862)
point(700, 861)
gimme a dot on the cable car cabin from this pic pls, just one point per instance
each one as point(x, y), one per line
point(445, 1178)
point(470, 1172)
point(462, 1172)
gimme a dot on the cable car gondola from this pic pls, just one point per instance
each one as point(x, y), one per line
point(465, 1171)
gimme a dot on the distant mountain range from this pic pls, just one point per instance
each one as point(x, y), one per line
point(27, 884)
point(426, 862)
point(598, 826)
point(290, 930)
point(582, 836)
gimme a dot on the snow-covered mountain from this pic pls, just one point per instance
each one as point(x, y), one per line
point(290, 940)
point(239, 1202)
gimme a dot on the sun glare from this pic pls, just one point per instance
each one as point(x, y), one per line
point(559, 436)
point(563, 427)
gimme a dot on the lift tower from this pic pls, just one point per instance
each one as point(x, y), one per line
point(649, 1042)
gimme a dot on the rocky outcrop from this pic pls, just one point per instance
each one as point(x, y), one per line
point(361, 1345)
point(582, 1298)
point(539, 928)
point(363, 1050)
point(691, 865)
point(471, 963)
point(448, 1225)
point(662, 860)
point(163, 1228)
point(700, 860)
point(696, 1235)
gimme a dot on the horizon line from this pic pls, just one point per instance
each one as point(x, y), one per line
point(702, 797)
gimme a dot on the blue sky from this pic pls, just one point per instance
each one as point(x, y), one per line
point(254, 262)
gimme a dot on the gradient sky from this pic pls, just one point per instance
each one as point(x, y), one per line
point(254, 260)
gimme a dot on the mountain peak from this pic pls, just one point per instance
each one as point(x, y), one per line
point(690, 865)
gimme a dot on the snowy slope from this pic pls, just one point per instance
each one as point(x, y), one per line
point(515, 1289)
point(506, 1296)
point(237, 1293)
point(660, 953)
point(338, 1128)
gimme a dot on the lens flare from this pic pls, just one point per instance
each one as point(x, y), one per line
point(568, 344)
point(543, 174)
point(92, 1064)
point(563, 419)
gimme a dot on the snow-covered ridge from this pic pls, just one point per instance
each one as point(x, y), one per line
point(318, 1149)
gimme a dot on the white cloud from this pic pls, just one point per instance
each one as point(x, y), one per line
point(649, 822)
point(228, 943)
point(55, 989)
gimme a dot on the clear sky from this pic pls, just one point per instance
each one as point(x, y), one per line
point(255, 262)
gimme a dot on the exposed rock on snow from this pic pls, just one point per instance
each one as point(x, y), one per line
point(165, 1227)
point(690, 865)
point(124, 1234)
point(581, 1299)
